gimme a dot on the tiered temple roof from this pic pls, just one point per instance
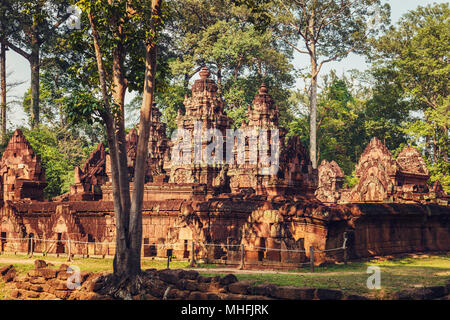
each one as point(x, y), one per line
point(21, 170)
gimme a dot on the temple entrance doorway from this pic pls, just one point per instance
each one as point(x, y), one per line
point(60, 244)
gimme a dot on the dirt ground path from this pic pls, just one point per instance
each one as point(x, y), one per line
point(203, 270)
point(22, 261)
point(232, 270)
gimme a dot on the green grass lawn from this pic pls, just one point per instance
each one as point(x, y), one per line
point(25, 263)
point(396, 274)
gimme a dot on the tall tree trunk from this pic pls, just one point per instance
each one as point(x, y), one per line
point(125, 261)
point(3, 88)
point(427, 141)
point(119, 169)
point(219, 79)
point(128, 214)
point(313, 115)
point(444, 146)
point(186, 81)
point(34, 60)
point(435, 147)
point(313, 98)
point(34, 107)
point(144, 134)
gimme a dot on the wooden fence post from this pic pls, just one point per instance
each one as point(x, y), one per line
point(69, 257)
point(345, 247)
point(242, 265)
point(45, 245)
point(311, 258)
point(193, 254)
point(32, 246)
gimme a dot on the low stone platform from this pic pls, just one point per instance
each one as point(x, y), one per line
point(45, 283)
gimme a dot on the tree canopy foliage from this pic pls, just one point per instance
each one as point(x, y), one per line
point(326, 30)
point(416, 54)
point(31, 29)
point(240, 55)
point(60, 149)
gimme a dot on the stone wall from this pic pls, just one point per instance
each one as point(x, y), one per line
point(273, 227)
point(398, 228)
point(47, 283)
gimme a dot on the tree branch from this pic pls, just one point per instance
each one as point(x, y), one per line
point(18, 50)
point(61, 21)
point(293, 46)
point(332, 59)
point(335, 15)
point(190, 75)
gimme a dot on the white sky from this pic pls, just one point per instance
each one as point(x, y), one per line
point(19, 69)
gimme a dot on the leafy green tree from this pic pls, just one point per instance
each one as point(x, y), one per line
point(60, 151)
point(386, 110)
point(326, 30)
point(416, 50)
point(119, 36)
point(30, 31)
point(339, 125)
point(223, 36)
point(351, 111)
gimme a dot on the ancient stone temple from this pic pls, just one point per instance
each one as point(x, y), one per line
point(158, 146)
point(22, 176)
point(413, 172)
point(91, 177)
point(331, 179)
point(381, 178)
point(376, 171)
point(204, 113)
point(271, 201)
point(291, 175)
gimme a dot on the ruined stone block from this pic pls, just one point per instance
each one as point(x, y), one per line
point(292, 293)
point(241, 287)
point(328, 294)
point(228, 279)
